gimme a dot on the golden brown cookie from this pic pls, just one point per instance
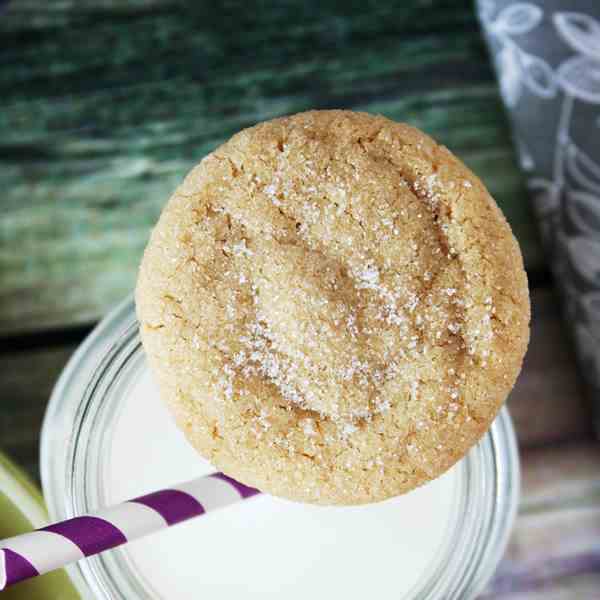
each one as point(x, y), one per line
point(334, 307)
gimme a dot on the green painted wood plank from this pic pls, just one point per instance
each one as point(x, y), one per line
point(104, 106)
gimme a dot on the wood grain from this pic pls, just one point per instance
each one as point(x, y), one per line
point(568, 471)
point(104, 106)
point(579, 586)
point(558, 527)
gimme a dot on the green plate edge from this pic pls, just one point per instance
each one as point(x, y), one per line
point(25, 508)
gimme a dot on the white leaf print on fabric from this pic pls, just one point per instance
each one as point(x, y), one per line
point(525, 158)
point(583, 169)
point(580, 77)
point(517, 19)
point(538, 75)
point(583, 210)
point(580, 31)
point(510, 78)
point(486, 10)
point(515, 66)
point(550, 76)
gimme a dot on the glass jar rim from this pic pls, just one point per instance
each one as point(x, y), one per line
point(69, 467)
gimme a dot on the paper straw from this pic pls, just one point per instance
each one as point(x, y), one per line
point(57, 545)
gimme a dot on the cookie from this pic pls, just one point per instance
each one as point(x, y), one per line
point(334, 307)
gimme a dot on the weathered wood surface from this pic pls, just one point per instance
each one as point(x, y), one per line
point(555, 545)
point(581, 586)
point(105, 105)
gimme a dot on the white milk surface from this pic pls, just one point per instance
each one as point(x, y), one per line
point(265, 547)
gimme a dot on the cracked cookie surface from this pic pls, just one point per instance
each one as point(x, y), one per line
point(334, 307)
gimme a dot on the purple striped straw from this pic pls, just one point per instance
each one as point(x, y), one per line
point(57, 545)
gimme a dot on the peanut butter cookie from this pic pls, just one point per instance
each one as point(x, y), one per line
point(334, 307)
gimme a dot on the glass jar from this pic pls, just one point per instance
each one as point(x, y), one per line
point(76, 440)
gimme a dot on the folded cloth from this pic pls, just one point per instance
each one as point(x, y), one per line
point(547, 58)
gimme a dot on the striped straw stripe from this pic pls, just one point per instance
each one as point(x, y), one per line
point(243, 490)
point(173, 506)
point(90, 534)
point(14, 568)
point(56, 545)
point(133, 520)
point(38, 547)
point(220, 493)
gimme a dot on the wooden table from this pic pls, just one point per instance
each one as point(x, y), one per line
point(104, 105)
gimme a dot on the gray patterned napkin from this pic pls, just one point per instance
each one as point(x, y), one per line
point(547, 58)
